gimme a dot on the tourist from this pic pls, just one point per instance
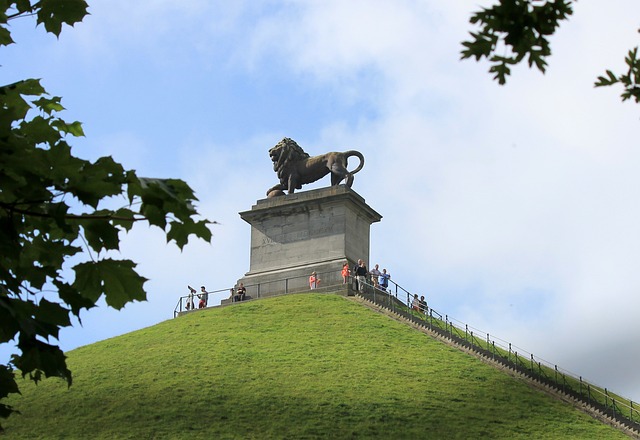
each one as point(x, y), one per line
point(353, 271)
point(383, 282)
point(415, 304)
point(346, 272)
point(204, 298)
point(190, 302)
point(314, 281)
point(240, 293)
point(375, 274)
point(361, 275)
point(423, 305)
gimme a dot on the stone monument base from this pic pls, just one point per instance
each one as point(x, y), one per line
point(297, 234)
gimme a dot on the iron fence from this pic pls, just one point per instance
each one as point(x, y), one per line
point(329, 281)
point(399, 300)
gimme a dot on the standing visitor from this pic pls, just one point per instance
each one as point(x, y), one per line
point(415, 304)
point(355, 277)
point(423, 305)
point(375, 274)
point(204, 298)
point(384, 280)
point(314, 281)
point(346, 272)
point(361, 275)
point(190, 303)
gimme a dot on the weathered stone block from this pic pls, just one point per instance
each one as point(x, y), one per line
point(295, 234)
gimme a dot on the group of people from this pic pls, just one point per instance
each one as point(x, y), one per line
point(419, 305)
point(362, 276)
point(203, 296)
point(239, 294)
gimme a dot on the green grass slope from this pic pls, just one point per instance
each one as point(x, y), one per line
point(295, 367)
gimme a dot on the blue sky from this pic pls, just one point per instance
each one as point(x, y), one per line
point(514, 209)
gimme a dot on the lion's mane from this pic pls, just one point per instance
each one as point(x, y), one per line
point(289, 152)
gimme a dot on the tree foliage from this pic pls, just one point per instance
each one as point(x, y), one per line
point(514, 30)
point(52, 208)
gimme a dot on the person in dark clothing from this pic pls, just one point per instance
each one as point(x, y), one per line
point(240, 293)
point(422, 303)
point(361, 275)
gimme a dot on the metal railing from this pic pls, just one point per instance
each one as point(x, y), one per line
point(399, 300)
point(329, 281)
point(190, 302)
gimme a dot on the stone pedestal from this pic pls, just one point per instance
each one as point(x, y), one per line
point(296, 234)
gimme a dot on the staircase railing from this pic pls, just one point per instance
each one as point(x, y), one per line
point(399, 300)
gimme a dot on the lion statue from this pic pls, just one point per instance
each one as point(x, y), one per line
point(296, 168)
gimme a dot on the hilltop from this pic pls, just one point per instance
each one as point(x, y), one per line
point(297, 366)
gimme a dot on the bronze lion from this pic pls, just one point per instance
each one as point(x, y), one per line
point(296, 168)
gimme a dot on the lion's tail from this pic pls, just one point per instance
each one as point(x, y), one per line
point(357, 154)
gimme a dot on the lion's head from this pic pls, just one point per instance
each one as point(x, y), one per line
point(286, 152)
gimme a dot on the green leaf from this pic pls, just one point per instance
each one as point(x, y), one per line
point(40, 131)
point(7, 382)
point(39, 357)
point(53, 13)
point(523, 28)
point(124, 218)
point(122, 284)
point(51, 317)
point(72, 298)
point(5, 37)
point(101, 234)
point(180, 232)
point(30, 87)
point(116, 279)
point(75, 128)
point(11, 314)
point(88, 282)
point(49, 105)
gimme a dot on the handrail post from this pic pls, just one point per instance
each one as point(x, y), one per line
point(580, 385)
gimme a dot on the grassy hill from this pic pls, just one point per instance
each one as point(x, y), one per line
point(296, 367)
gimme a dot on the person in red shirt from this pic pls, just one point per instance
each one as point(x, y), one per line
point(314, 281)
point(345, 272)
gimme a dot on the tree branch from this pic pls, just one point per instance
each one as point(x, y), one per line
point(13, 209)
